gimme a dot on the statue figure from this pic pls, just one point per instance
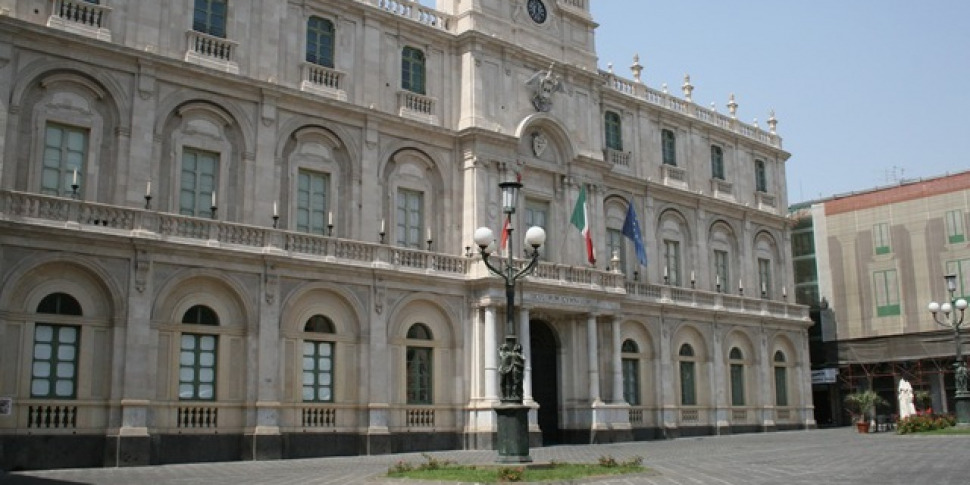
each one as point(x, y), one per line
point(961, 378)
point(906, 407)
point(511, 368)
point(545, 85)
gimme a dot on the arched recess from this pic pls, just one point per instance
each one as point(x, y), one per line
point(201, 130)
point(422, 309)
point(414, 201)
point(674, 243)
point(725, 264)
point(343, 311)
point(793, 369)
point(234, 311)
point(75, 113)
point(90, 322)
point(690, 336)
point(768, 263)
point(314, 157)
point(636, 331)
point(559, 148)
point(737, 339)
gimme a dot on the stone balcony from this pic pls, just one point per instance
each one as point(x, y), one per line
point(104, 220)
point(80, 17)
point(211, 51)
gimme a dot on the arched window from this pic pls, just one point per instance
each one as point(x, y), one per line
point(781, 379)
point(419, 365)
point(717, 162)
point(412, 70)
point(198, 356)
point(59, 304)
point(319, 41)
point(318, 360)
point(614, 135)
point(736, 358)
point(631, 372)
point(688, 377)
point(55, 359)
point(668, 143)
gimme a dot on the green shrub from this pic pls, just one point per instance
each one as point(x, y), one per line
point(508, 474)
point(924, 422)
point(608, 461)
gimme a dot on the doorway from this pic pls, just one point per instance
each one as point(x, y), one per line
point(545, 379)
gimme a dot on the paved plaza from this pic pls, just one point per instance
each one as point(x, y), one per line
point(796, 457)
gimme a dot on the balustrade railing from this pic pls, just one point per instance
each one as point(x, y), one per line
point(706, 115)
point(211, 47)
point(52, 416)
point(420, 417)
point(617, 157)
point(197, 417)
point(417, 106)
point(317, 417)
point(323, 80)
point(79, 12)
point(73, 214)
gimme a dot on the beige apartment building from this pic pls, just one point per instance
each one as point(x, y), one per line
point(881, 256)
point(243, 230)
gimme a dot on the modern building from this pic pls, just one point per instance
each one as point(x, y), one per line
point(243, 230)
point(869, 263)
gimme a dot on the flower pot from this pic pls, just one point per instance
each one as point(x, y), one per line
point(862, 426)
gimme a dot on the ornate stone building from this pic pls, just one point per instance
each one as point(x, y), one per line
point(243, 230)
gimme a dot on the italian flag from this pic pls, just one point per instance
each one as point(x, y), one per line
point(580, 219)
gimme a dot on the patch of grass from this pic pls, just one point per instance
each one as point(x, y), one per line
point(444, 471)
point(953, 430)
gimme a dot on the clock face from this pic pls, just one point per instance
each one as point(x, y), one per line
point(537, 10)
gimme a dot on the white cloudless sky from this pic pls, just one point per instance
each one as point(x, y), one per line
point(867, 92)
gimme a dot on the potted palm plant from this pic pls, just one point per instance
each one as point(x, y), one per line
point(862, 406)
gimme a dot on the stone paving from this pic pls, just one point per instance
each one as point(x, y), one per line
point(815, 457)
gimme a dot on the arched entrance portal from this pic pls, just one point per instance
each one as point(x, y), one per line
point(545, 379)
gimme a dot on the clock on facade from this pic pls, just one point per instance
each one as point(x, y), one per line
point(537, 10)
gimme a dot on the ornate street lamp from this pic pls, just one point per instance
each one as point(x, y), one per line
point(954, 321)
point(513, 416)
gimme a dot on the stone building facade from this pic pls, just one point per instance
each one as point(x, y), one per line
point(243, 230)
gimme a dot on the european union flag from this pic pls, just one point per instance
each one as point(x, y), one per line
point(631, 229)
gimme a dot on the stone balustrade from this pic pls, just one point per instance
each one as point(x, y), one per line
point(414, 11)
point(77, 215)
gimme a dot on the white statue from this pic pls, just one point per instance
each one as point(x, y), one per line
point(906, 407)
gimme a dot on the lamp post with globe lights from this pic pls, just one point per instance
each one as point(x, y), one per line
point(954, 321)
point(513, 415)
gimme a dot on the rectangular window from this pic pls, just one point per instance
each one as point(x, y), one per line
point(781, 386)
point(631, 381)
point(672, 262)
point(954, 227)
point(418, 375)
point(688, 396)
point(319, 41)
point(614, 139)
point(200, 169)
point(210, 17)
point(537, 214)
point(722, 277)
point(197, 367)
point(410, 218)
point(803, 244)
point(764, 277)
point(880, 236)
point(717, 162)
point(961, 268)
point(412, 70)
point(887, 292)
point(317, 371)
point(615, 244)
point(54, 369)
point(64, 153)
point(312, 202)
point(760, 176)
point(737, 384)
point(668, 144)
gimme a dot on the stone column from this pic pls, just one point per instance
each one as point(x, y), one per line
point(490, 348)
point(666, 376)
point(719, 384)
point(767, 404)
point(525, 340)
point(594, 368)
point(617, 362)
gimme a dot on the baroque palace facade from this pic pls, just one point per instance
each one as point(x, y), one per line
point(243, 230)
